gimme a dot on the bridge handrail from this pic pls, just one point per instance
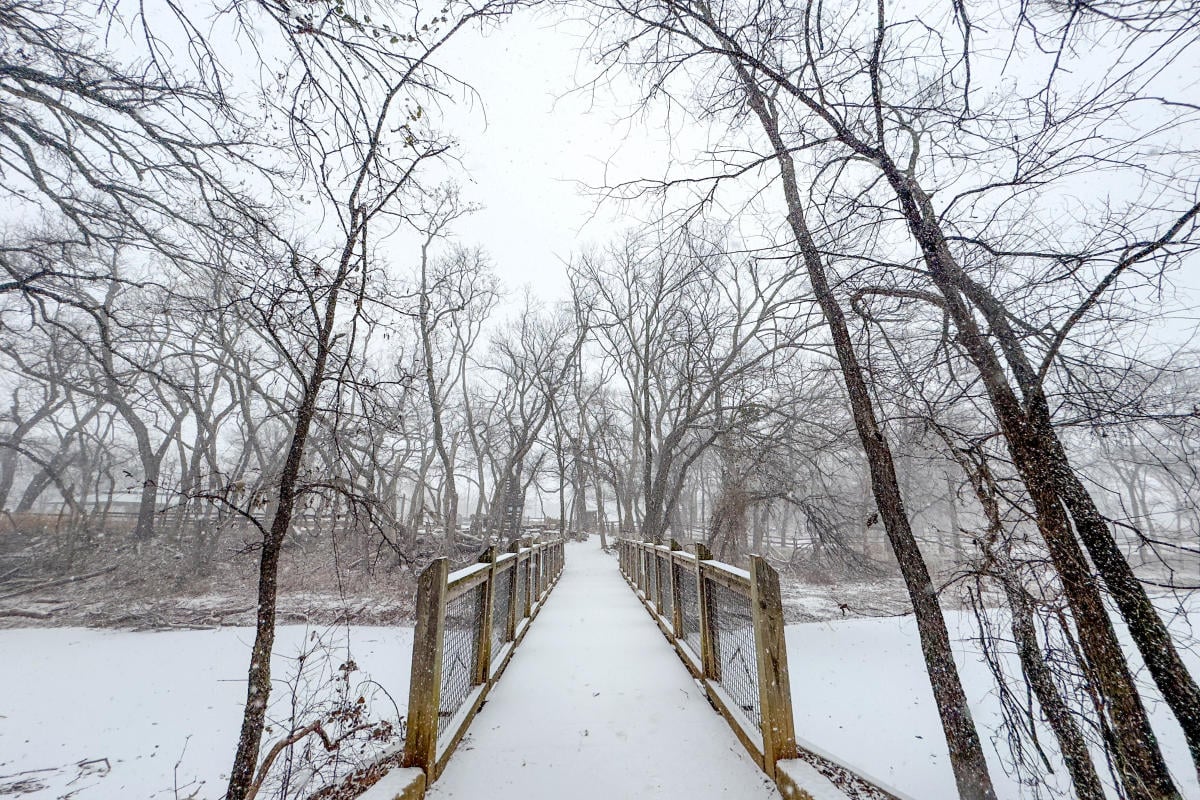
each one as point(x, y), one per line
point(468, 622)
point(726, 624)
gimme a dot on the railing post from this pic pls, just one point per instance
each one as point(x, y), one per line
point(708, 660)
point(487, 602)
point(514, 614)
point(676, 610)
point(774, 685)
point(425, 682)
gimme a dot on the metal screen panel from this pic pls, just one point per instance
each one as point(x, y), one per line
point(522, 588)
point(464, 624)
point(732, 627)
point(652, 576)
point(501, 604)
point(668, 602)
point(689, 605)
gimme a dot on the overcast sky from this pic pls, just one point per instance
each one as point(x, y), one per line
point(532, 136)
point(530, 141)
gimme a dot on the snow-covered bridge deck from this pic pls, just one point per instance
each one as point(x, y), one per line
point(596, 705)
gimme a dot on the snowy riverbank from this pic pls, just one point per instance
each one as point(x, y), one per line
point(162, 708)
point(151, 715)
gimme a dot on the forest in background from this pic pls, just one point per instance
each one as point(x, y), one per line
point(919, 312)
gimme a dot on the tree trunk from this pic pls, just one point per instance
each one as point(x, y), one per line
point(1071, 742)
point(1033, 451)
point(966, 751)
point(449, 488)
point(258, 691)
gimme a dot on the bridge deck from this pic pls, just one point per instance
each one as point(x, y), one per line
point(596, 705)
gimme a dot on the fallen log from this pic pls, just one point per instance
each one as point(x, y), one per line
point(58, 582)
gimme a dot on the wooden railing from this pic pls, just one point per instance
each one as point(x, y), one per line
point(468, 623)
point(727, 626)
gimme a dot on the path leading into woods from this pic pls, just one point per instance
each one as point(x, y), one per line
point(595, 705)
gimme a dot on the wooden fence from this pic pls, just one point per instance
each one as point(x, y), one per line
point(468, 623)
point(727, 626)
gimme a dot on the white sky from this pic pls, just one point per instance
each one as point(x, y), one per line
point(531, 141)
point(531, 137)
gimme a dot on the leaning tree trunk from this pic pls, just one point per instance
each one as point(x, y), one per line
point(1146, 627)
point(1036, 454)
point(258, 691)
point(601, 517)
point(1071, 742)
point(962, 739)
point(449, 488)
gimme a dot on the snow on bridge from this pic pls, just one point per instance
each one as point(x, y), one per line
point(595, 705)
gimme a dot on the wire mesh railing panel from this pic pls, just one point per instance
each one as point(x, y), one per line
point(501, 605)
point(464, 623)
point(652, 576)
point(731, 625)
point(664, 571)
point(689, 605)
point(522, 571)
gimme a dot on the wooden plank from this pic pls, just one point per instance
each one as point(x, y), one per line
point(464, 580)
point(774, 685)
point(658, 578)
point(425, 682)
point(455, 733)
point(742, 727)
point(689, 659)
point(717, 572)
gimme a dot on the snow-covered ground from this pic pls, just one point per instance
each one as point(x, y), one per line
point(98, 714)
point(94, 715)
point(860, 694)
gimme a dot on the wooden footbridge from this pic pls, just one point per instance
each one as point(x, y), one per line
point(593, 703)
